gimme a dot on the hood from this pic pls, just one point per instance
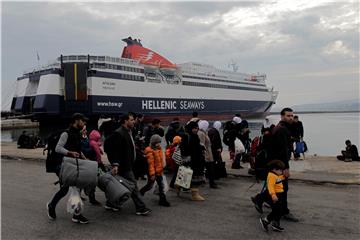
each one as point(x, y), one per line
point(94, 135)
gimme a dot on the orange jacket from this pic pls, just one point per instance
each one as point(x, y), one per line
point(155, 161)
point(274, 183)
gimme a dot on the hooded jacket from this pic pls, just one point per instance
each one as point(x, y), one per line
point(95, 144)
point(155, 160)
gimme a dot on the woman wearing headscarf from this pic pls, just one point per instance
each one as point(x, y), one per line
point(190, 146)
point(209, 160)
point(216, 149)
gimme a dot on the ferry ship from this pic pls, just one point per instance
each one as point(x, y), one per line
point(140, 81)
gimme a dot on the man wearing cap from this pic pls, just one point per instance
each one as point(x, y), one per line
point(69, 145)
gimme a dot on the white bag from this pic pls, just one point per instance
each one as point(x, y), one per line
point(75, 204)
point(166, 186)
point(239, 147)
point(183, 177)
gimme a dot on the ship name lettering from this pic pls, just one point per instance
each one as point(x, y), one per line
point(158, 105)
point(198, 105)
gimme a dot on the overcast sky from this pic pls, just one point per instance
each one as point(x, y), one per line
point(309, 50)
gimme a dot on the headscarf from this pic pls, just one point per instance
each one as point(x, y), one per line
point(203, 125)
point(237, 119)
point(217, 125)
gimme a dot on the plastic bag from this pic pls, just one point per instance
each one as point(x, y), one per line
point(183, 177)
point(166, 186)
point(75, 204)
point(239, 146)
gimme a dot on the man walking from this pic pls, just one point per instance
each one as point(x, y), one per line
point(280, 149)
point(123, 158)
point(69, 145)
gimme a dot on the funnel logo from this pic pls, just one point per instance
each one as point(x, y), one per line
point(147, 57)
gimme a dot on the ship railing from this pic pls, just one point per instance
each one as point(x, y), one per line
point(82, 58)
point(50, 65)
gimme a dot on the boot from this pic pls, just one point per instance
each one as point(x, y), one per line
point(163, 202)
point(178, 190)
point(195, 196)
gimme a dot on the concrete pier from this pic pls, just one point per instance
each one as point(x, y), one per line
point(18, 123)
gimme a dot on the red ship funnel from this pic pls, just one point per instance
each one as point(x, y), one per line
point(135, 50)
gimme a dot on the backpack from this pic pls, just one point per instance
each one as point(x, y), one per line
point(261, 150)
point(53, 159)
point(110, 145)
point(229, 126)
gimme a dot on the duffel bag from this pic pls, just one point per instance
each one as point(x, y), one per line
point(78, 172)
point(117, 189)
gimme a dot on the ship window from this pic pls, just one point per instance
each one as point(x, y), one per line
point(72, 57)
point(101, 58)
point(82, 57)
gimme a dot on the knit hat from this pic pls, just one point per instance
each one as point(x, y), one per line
point(176, 140)
point(217, 125)
point(155, 139)
point(203, 125)
point(237, 119)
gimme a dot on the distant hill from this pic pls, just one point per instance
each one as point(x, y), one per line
point(339, 106)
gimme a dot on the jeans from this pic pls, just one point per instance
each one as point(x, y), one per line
point(59, 195)
point(173, 179)
point(150, 184)
point(135, 195)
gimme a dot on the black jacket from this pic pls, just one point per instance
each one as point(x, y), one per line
point(297, 130)
point(190, 146)
point(353, 152)
point(124, 156)
point(281, 143)
point(174, 129)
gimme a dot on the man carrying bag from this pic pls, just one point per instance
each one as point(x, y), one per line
point(121, 154)
point(68, 145)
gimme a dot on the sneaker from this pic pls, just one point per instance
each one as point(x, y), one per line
point(276, 227)
point(50, 211)
point(80, 219)
point(264, 224)
point(257, 206)
point(143, 212)
point(109, 206)
point(290, 217)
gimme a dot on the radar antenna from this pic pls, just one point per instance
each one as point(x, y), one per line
point(233, 65)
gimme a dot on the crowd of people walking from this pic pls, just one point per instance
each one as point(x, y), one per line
point(135, 151)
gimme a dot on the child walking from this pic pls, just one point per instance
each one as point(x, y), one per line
point(170, 161)
point(276, 193)
point(154, 157)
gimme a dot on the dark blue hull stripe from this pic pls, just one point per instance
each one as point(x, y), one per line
point(55, 105)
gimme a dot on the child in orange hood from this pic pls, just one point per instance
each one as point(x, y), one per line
point(154, 155)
